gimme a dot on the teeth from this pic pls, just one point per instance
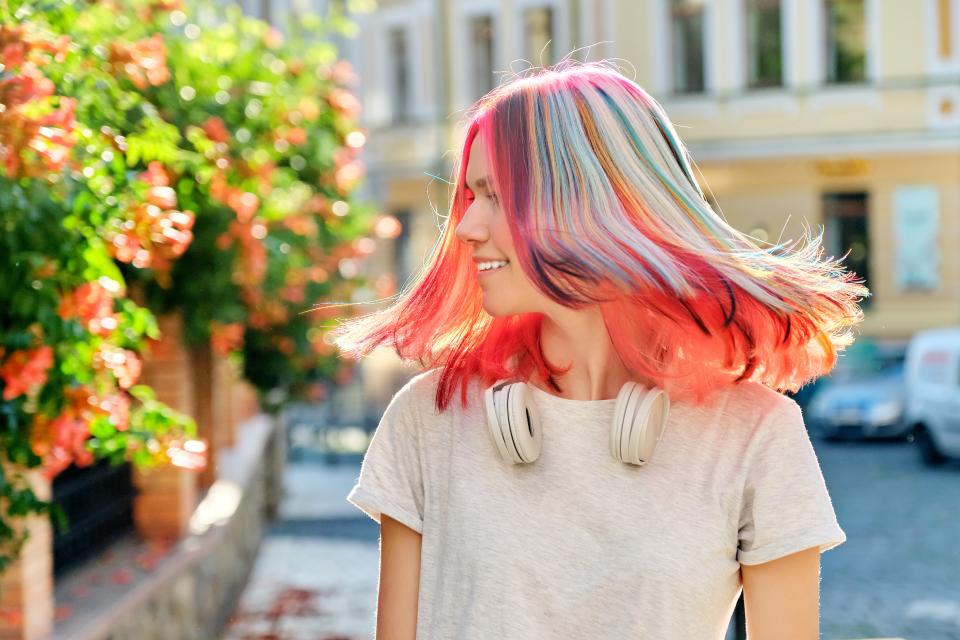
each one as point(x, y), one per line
point(484, 266)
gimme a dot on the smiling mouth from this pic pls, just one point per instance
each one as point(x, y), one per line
point(489, 267)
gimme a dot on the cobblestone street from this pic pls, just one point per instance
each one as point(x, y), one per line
point(895, 577)
point(898, 574)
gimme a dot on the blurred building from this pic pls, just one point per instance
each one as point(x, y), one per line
point(840, 113)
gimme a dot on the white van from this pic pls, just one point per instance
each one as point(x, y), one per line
point(932, 380)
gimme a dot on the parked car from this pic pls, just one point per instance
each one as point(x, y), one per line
point(933, 393)
point(863, 398)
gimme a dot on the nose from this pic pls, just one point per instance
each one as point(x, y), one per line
point(472, 229)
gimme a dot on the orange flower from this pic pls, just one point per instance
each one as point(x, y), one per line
point(216, 130)
point(264, 173)
point(63, 440)
point(309, 107)
point(163, 197)
point(301, 225)
point(117, 407)
point(273, 38)
point(225, 338)
point(244, 203)
point(252, 258)
point(219, 189)
point(143, 63)
point(319, 274)
point(124, 364)
point(26, 371)
point(155, 232)
point(92, 304)
point(321, 347)
point(342, 73)
point(41, 435)
point(156, 174)
point(33, 145)
point(344, 102)
point(347, 176)
point(296, 135)
point(294, 293)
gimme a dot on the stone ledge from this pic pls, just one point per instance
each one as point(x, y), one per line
point(139, 590)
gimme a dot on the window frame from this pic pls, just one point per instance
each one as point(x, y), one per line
point(402, 116)
point(745, 8)
point(671, 11)
point(469, 19)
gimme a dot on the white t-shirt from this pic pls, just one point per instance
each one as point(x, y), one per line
point(577, 545)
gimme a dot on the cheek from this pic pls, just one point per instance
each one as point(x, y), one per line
point(502, 237)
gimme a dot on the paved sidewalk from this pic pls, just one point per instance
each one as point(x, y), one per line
point(316, 575)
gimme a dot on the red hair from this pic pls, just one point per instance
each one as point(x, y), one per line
point(690, 304)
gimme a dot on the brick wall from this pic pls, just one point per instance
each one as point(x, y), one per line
point(26, 587)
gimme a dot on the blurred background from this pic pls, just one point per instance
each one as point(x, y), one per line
point(300, 152)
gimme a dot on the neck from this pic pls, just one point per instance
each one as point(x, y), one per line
point(579, 338)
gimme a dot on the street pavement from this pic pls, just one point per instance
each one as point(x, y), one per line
point(897, 576)
point(316, 575)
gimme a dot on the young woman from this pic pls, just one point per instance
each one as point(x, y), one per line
point(620, 462)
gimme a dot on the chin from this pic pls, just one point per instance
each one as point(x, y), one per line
point(497, 308)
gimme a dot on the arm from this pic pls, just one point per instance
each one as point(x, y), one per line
point(399, 581)
point(782, 597)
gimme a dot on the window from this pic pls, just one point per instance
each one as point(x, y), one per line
point(399, 66)
point(846, 229)
point(538, 35)
point(764, 44)
point(481, 44)
point(846, 51)
point(686, 32)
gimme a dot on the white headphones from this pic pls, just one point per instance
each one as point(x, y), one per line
point(638, 422)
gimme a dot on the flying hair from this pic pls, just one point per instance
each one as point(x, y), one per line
point(604, 209)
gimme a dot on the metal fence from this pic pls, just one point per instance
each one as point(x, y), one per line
point(98, 502)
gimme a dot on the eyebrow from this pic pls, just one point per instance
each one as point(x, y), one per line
point(480, 184)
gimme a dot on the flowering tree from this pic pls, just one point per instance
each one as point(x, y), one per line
point(203, 163)
point(271, 129)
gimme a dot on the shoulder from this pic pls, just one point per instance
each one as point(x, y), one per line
point(759, 398)
point(418, 394)
point(421, 390)
point(775, 432)
point(758, 408)
point(423, 382)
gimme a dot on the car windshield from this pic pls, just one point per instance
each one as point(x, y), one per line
point(868, 361)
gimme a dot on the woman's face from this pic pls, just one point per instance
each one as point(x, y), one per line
point(506, 289)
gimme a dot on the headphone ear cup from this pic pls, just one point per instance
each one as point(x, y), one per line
point(640, 418)
point(525, 422)
point(513, 422)
point(493, 421)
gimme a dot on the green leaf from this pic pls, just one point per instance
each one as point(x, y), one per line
point(101, 428)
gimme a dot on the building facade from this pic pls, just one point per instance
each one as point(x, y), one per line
point(840, 114)
point(843, 114)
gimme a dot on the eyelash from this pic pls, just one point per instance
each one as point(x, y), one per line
point(492, 196)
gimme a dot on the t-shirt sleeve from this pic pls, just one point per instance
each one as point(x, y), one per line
point(785, 506)
point(391, 478)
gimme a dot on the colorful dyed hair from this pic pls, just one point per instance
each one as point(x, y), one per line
point(604, 209)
